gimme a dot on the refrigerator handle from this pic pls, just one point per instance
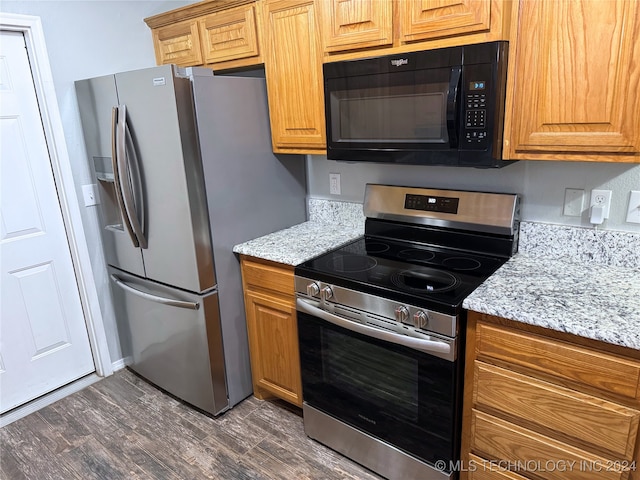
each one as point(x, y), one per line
point(116, 175)
point(125, 174)
point(155, 298)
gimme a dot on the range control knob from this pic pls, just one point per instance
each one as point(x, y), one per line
point(313, 289)
point(401, 313)
point(327, 293)
point(420, 319)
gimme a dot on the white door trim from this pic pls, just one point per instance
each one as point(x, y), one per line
point(31, 27)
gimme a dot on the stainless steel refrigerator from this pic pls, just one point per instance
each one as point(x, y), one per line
point(185, 171)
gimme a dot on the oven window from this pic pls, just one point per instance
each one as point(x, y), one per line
point(372, 373)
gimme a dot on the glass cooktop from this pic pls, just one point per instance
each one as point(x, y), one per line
point(426, 276)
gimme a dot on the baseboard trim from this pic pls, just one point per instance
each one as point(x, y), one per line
point(120, 364)
point(52, 397)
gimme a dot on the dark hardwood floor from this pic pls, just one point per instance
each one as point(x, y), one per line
point(123, 428)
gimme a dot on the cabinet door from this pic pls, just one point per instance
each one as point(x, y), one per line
point(426, 19)
point(576, 83)
point(273, 340)
point(293, 66)
point(178, 43)
point(231, 35)
point(348, 24)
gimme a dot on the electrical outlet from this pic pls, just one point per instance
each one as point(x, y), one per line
point(573, 202)
point(601, 198)
point(334, 183)
point(633, 211)
point(90, 194)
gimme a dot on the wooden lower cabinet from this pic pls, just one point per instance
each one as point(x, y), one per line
point(272, 328)
point(539, 406)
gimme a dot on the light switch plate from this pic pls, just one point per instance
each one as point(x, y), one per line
point(573, 202)
point(633, 210)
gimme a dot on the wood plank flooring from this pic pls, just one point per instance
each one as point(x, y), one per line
point(123, 428)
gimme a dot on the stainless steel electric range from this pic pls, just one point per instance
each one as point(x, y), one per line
point(381, 326)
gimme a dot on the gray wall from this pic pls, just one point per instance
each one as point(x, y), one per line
point(86, 39)
point(541, 183)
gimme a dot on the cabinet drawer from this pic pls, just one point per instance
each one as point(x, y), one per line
point(589, 419)
point(607, 373)
point(481, 469)
point(270, 277)
point(540, 455)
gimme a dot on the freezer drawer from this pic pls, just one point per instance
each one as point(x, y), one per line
point(173, 338)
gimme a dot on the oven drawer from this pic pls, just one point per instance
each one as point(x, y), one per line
point(588, 419)
point(540, 455)
point(570, 364)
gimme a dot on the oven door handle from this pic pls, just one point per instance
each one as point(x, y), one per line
point(434, 347)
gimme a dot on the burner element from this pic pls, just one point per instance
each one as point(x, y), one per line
point(376, 247)
point(424, 280)
point(413, 254)
point(461, 263)
point(351, 263)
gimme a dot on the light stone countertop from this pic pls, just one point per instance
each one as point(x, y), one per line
point(599, 302)
point(297, 244)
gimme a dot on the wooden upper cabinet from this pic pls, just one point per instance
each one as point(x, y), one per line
point(293, 66)
point(349, 24)
point(427, 19)
point(354, 29)
point(221, 34)
point(230, 35)
point(178, 43)
point(575, 80)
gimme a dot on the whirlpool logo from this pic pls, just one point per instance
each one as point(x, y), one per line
point(400, 61)
point(373, 422)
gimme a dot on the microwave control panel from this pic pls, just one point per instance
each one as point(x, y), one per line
point(475, 118)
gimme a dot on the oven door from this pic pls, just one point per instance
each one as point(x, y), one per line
point(401, 395)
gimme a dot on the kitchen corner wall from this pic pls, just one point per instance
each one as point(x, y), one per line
point(86, 39)
point(541, 183)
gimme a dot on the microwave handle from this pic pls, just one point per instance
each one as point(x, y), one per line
point(452, 106)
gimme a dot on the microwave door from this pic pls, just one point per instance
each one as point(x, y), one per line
point(409, 110)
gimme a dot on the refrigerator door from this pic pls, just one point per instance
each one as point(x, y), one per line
point(172, 204)
point(173, 339)
point(97, 98)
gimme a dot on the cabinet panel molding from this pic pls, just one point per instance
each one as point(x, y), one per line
point(178, 43)
point(425, 19)
point(230, 35)
point(349, 24)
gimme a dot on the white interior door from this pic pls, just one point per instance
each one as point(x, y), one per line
point(44, 342)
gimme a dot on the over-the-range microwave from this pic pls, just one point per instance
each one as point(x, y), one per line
point(433, 107)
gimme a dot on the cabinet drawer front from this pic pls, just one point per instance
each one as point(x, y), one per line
point(481, 469)
point(351, 24)
point(426, 20)
point(230, 35)
point(580, 416)
point(178, 43)
point(580, 365)
point(270, 277)
point(541, 456)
